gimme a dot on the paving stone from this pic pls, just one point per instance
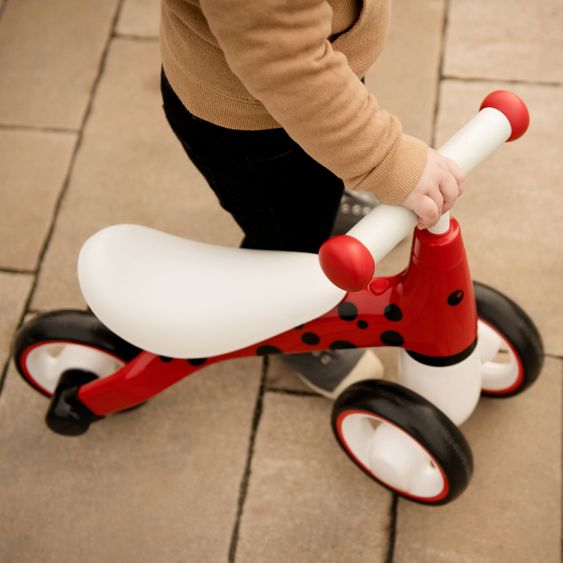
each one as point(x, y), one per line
point(14, 290)
point(511, 511)
point(157, 484)
point(139, 17)
point(33, 167)
point(511, 209)
point(404, 77)
point(505, 40)
point(306, 502)
point(49, 58)
point(130, 169)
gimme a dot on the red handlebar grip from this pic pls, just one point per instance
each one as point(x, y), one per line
point(347, 263)
point(512, 107)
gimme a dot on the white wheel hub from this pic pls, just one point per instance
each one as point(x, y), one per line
point(392, 455)
point(46, 362)
point(499, 366)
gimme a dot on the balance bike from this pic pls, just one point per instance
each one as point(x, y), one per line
point(164, 307)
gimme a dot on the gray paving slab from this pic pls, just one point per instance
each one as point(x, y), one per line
point(49, 58)
point(404, 77)
point(14, 291)
point(139, 18)
point(157, 484)
point(505, 40)
point(306, 502)
point(130, 169)
point(511, 512)
point(33, 168)
point(511, 211)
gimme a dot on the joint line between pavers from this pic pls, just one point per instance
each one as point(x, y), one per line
point(437, 100)
point(4, 373)
point(293, 392)
point(392, 529)
point(514, 81)
point(3, 4)
point(133, 37)
point(16, 271)
point(19, 322)
point(37, 129)
point(243, 491)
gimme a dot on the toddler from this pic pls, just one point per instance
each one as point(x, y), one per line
point(268, 100)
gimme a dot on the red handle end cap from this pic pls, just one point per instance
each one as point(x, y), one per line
point(347, 263)
point(513, 108)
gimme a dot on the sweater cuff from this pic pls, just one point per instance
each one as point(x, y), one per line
point(397, 174)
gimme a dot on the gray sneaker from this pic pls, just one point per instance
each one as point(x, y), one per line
point(330, 372)
point(353, 207)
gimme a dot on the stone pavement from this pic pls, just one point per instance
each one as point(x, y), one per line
point(238, 463)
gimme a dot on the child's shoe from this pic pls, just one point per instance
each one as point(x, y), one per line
point(353, 207)
point(330, 372)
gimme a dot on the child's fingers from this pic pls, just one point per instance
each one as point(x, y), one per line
point(428, 212)
point(437, 197)
point(457, 173)
point(450, 191)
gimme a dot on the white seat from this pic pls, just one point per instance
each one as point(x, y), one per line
point(186, 299)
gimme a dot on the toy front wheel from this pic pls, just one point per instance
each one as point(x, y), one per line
point(402, 441)
point(510, 345)
point(54, 343)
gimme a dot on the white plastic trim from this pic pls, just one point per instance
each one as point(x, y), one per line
point(496, 375)
point(46, 362)
point(453, 389)
point(392, 455)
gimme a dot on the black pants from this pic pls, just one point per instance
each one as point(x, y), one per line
point(281, 198)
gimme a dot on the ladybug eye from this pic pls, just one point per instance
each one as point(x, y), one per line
point(455, 298)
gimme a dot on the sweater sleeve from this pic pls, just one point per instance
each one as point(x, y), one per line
point(280, 50)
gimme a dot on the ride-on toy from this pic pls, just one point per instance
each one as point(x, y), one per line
point(165, 307)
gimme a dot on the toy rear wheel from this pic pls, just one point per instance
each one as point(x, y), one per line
point(510, 344)
point(402, 441)
point(53, 343)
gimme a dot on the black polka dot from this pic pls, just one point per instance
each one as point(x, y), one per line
point(310, 338)
point(165, 359)
point(196, 361)
point(267, 350)
point(299, 327)
point(393, 313)
point(362, 324)
point(347, 311)
point(455, 298)
point(391, 338)
point(341, 345)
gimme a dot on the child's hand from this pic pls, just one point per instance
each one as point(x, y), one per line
point(435, 193)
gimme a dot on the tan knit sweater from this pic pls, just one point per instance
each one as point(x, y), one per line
point(296, 64)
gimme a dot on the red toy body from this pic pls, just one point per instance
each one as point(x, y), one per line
point(392, 311)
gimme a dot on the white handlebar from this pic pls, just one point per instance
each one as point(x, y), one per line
point(387, 225)
point(503, 117)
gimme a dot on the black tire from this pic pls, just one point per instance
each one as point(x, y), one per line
point(51, 332)
point(444, 449)
point(522, 347)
